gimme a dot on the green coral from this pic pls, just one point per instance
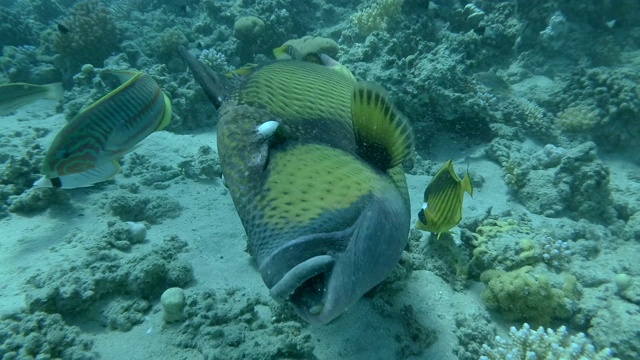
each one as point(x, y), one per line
point(522, 295)
point(92, 35)
point(377, 16)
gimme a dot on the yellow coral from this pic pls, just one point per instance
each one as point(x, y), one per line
point(521, 295)
point(577, 119)
point(376, 16)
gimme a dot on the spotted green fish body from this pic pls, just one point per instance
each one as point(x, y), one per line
point(321, 194)
point(442, 209)
point(86, 150)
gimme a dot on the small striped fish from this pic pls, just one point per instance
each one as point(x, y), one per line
point(87, 149)
point(15, 95)
point(442, 207)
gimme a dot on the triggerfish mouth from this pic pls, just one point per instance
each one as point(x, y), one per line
point(313, 162)
point(87, 149)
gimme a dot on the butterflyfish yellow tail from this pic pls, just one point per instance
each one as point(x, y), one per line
point(466, 185)
point(166, 117)
point(384, 136)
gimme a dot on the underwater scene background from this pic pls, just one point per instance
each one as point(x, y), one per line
point(539, 99)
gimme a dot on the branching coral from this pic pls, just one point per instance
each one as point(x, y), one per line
point(527, 343)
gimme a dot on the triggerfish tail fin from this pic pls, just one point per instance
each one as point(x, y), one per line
point(87, 178)
point(384, 136)
point(216, 86)
point(442, 209)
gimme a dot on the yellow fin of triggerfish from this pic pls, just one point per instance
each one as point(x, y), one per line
point(442, 208)
point(384, 136)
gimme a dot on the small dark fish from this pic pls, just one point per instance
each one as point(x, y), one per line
point(493, 82)
point(63, 29)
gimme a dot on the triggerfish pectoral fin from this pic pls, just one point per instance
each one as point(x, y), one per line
point(442, 208)
point(86, 149)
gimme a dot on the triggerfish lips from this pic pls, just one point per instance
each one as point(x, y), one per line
point(326, 284)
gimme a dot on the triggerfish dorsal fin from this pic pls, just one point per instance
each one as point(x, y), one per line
point(216, 86)
point(384, 136)
point(442, 209)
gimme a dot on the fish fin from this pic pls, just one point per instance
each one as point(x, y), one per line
point(54, 91)
point(440, 180)
point(287, 51)
point(216, 86)
point(466, 184)
point(102, 172)
point(242, 71)
point(166, 117)
point(384, 136)
point(332, 64)
point(123, 75)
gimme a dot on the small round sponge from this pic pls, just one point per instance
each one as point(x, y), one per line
point(172, 301)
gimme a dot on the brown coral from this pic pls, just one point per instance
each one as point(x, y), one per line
point(91, 37)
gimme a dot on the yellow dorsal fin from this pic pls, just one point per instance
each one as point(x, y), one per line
point(383, 135)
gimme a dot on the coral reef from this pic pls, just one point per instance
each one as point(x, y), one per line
point(524, 295)
point(526, 343)
point(107, 284)
point(214, 60)
point(92, 36)
point(15, 31)
point(40, 335)
point(152, 209)
point(218, 322)
point(248, 28)
point(376, 16)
